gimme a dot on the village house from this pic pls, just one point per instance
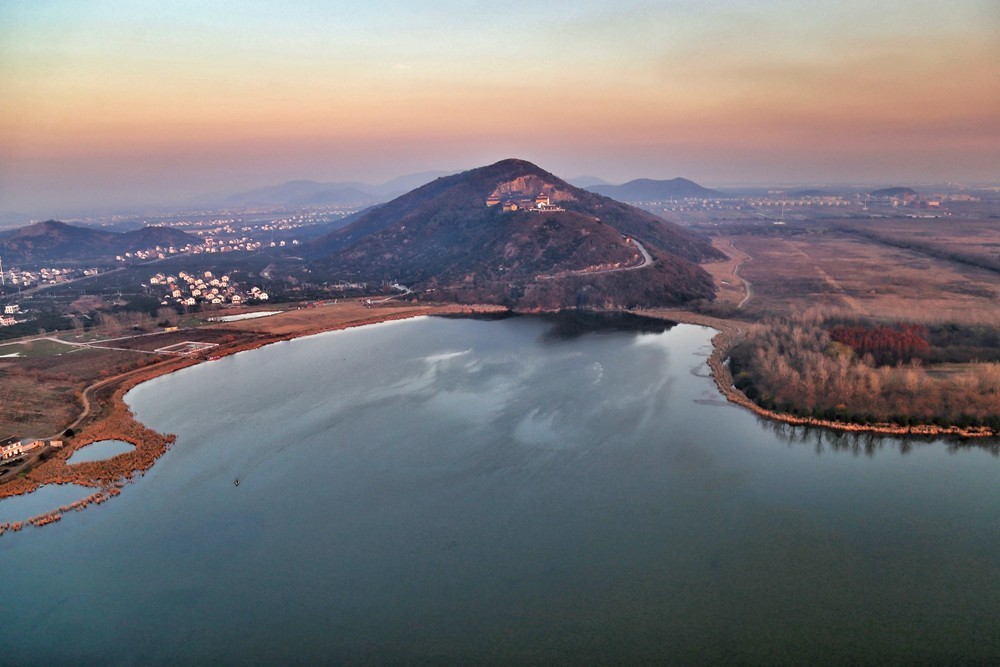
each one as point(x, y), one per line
point(15, 447)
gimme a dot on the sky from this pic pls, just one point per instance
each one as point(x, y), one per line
point(109, 103)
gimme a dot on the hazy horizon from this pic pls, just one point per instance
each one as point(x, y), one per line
point(109, 104)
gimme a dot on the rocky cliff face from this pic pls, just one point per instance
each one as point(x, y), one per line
point(531, 186)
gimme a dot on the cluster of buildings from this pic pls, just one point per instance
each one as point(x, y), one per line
point(9, 311)
point(190, 290)
point(159, 252)
point(44, 276)
point(210, 244)
point(541, 203)
point(910, 200)
point(11, 448)
point(237, 244)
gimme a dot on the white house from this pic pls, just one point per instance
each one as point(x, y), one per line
point(19, 447)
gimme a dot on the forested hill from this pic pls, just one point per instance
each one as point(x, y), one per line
point(515, 234)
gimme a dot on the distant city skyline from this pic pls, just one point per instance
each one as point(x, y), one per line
point(115, 103)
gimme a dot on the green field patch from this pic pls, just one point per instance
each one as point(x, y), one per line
point(35, 348)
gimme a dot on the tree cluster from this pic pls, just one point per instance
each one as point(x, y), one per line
point(795, 365)
point(886, 344)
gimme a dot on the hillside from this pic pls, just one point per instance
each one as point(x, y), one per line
point(56, 241)
point(647, 189)
point(459, 237)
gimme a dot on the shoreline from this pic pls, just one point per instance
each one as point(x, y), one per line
point(728, 330)
point(106, 416)
point(113, 420)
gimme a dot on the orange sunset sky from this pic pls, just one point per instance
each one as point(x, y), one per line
point(109, 103)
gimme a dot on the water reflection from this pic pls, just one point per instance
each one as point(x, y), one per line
point(571, 324)
point(568, 325)
point(869, 444)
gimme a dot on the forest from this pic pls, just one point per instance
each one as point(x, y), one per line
point(866, 373)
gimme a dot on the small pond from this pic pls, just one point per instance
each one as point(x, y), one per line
point(99, 451)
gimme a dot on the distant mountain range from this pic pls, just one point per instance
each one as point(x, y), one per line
point(587, 181)
point(354, 193)
point(54, 240)
point(514, 234)
point(314, 193)
point(647, 189)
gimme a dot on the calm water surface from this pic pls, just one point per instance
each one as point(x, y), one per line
point(43, 499)
point(441, 491)
point(99, 451)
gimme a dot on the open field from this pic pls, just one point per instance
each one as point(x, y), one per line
point(43, 347)
point(841, 271)
point(972, 241)
point(158, 341)
point(39, 394)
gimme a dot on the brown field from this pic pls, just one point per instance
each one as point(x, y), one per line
point(973, 241)
point(860, 276)
point(40, 394)
point(151, 342)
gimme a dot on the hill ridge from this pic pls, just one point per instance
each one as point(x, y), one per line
point(449, 237)
point(53, 240)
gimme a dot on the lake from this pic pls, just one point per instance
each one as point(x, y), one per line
point(511, 491)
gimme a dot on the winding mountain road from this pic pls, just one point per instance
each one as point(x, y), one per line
point(647, 261)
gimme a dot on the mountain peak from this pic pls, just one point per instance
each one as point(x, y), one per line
point(648, 189)
point(515, 234)
point(42, 228)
